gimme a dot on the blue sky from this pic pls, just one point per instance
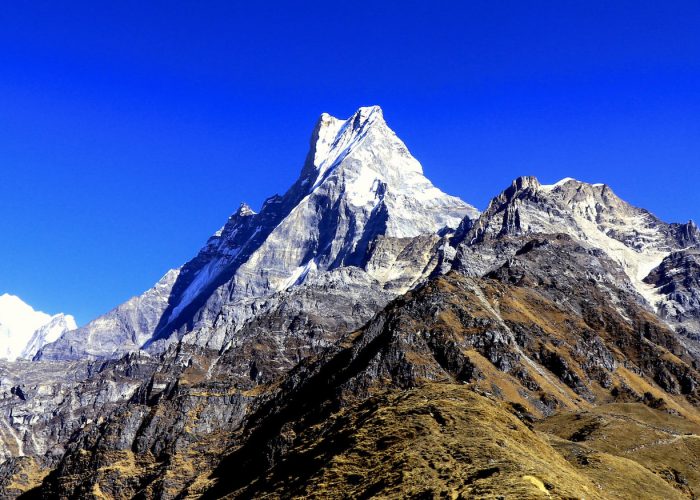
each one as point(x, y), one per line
point(129, 132)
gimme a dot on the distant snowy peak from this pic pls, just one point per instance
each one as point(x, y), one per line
point(18, 315)
point(23, 330)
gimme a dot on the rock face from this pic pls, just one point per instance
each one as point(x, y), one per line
point(23, 331)
point(591, 213)
point(366, 321)
point(44, 403)
point(658, 258)
point(677, 283)
point(122, 330)
point(47, 333)
point(359, 197)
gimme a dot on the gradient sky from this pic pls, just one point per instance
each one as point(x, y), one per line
point(129, 132)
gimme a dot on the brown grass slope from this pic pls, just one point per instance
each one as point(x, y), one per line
point(444, 441)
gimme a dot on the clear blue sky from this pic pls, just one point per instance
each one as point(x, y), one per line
point(129, 131)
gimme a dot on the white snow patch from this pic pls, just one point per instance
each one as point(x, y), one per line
point(637, 265)
point(200, 282)
point(549, 187)
point(299, 274)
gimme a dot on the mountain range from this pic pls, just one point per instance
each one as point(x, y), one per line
point(365, 334)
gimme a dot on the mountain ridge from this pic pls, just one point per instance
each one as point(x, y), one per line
point(366, 320)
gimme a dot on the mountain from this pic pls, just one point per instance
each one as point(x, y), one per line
point(121, 330)
point(676, 282)
point(592, 213)
point(360, 193)
point(365, 321)
point(23, 330)
point(658, 258)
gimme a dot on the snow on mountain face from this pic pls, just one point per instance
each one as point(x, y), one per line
point(363, 156)
point(359, 183)
point(23, 330)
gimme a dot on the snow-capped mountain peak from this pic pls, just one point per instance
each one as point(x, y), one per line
point(363, 160)
point(19, 316)
point(359, 184)
point(334, 137)
point(335, 140)
point(23, 330)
